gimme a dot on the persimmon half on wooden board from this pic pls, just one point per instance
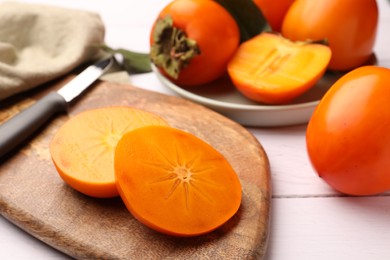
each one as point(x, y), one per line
point(83, 148)
point(174, 182)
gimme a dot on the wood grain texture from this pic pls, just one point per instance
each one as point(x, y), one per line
point(34, 197)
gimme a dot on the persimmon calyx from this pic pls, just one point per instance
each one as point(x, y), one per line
point(172, 50)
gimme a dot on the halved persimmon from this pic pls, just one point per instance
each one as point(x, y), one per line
point(83, 148)
point(274, 70)
point(174, 182)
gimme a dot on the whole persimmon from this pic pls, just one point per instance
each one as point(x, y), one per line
point(348, 137)
point(274, 11)
point(349, 27)
point(193, 40)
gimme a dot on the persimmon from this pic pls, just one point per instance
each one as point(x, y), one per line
point(349, 27)
point(348, 137)
point(274, 11)
point(83, 148)
point(174, 182)
point(273, 70)
point(193, 40)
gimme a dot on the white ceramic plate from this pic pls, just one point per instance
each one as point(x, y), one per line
point(221, 96)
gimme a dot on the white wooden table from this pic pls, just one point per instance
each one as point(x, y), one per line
point(309, 220)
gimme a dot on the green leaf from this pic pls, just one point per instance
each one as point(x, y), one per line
point(248, 16)
point(133, 62)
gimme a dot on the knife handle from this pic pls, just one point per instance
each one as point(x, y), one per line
point(17, 129)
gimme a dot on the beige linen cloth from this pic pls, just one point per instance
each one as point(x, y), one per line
point(39, 43)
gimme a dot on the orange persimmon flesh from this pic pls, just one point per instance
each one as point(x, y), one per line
point(274, 70)
point(174, 182)
point(83, 148)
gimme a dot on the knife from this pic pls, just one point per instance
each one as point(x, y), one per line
point(17, 129)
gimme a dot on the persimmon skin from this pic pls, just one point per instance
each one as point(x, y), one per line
point(273, 70)
point(274, 11)
point(175, 183)
point(82, 150)
point(348, 137)
point(214, 30)
point(349, 26)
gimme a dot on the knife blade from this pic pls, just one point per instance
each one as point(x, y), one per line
point(20, 127)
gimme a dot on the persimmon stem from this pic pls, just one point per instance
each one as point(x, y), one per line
point(172, 50)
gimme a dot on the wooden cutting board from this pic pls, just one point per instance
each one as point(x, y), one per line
point(34, 197)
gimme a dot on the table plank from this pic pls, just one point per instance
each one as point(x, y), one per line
point(330, 228)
